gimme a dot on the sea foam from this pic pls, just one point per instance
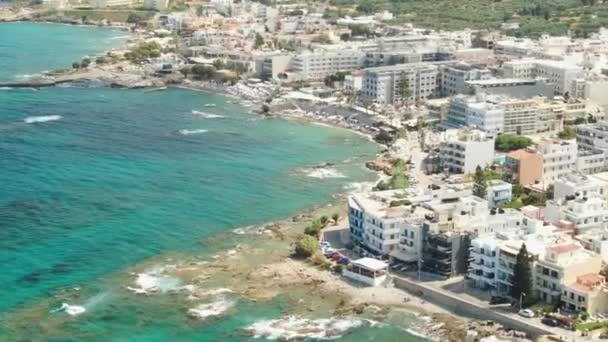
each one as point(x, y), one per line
point(291, 328)
point(154, 282)
point(192, 131)
point(72, 310)
point(323, 173)
point(216, 308)
point(206, 115)
point(45, 118)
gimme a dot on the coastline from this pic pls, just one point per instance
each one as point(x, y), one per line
point(307, 278)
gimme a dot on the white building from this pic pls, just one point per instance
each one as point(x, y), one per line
point(454, 77)
point(461, 151)
point(382, 84)
point(158, 5)
point(561, 74)
point(113, 3)
point(369, 271)
point(498, 192)
point(584, 185)
point(318, 65)
point(585, 212)
point(559, 159)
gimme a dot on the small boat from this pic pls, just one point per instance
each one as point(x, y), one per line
point(147, 90)
point(209, 104)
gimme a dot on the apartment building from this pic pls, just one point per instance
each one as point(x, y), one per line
point(377, 225)
point(383, 84)
point(586, 213)
point(561, 265)
point(498, 192)
point(454, 77)
point(461, 151)
point(524, 167)
point(519, 88)
point(593, 136)
point(499, 114)
point(588, 294)
point(561, 74)
point(559, 159)
point(318, 65)
point(270, 66)
point(446, 253)
point(578, 183)
point(113, 3)
point(478, 112)
point(484, 260)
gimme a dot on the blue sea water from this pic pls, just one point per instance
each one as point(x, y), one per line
point(27, 48)
point(95, 180)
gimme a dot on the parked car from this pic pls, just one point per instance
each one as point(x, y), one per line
point(495, 300)
point(552, 322)
point(526, 313)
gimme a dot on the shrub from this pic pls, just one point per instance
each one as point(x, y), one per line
point(318, 258)
point(101, 60)
point(323, 220)
point(338, 269)
point(306, 246)
point(335, 217)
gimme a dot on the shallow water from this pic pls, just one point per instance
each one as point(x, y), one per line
point(96, 180)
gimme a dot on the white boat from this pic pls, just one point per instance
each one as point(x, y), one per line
point(209, 104)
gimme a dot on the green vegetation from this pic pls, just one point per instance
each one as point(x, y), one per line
point(306, 246)
point(121, 16)
point(535, 17)
point(85, 62)
point(101, 60)
point(522, 277)
point(588, 326)
point(202, 71)
point(480, 186)
point(359, 30)
point(522, 197)
point(335, 217)
point(322, 38)
point(144, 51)
point(259, 40)
point(509, 142)
point(337, 77)
point(316, 226)
point(399, 179)
point(569, 132)
point(404, 87)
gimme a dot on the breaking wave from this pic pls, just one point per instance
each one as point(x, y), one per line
point(192, 131)
point(45, 118)
point(290, 328)
point(207, 115)
point(206, 310)
point(323, 173)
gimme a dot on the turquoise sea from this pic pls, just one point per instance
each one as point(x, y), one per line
point(94, 180)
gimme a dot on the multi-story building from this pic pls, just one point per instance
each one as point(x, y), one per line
point(561, 265)
point(383, 84)
point(461, 151)
point(588, 293)
point(584, 212)
point(524, 167)
point(559, 159)
point(483, 258)
point(593, 136)
point(500, 114)
point(446, 253)
point(561, 74)
point(498, 192)
point(478, 112)
point(113, 3)
point(318, 65)
point(511, 87)
point(376, 225)
point(269, 67)
point(584, 185)
point(454, 77)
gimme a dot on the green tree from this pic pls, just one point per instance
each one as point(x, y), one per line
point(259, 40)
point(480, 187)
point(322, 38)
point(403, 86)
point(522, 277)
point(101, 60)
point(508, 142)
point(567, 133)
point(306, 246)
point(76, 65)
point(335, 217)
point(85, 62)
point(202, 71)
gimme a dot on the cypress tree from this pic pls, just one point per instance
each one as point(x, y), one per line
point(522, 276)
point(480, 188)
